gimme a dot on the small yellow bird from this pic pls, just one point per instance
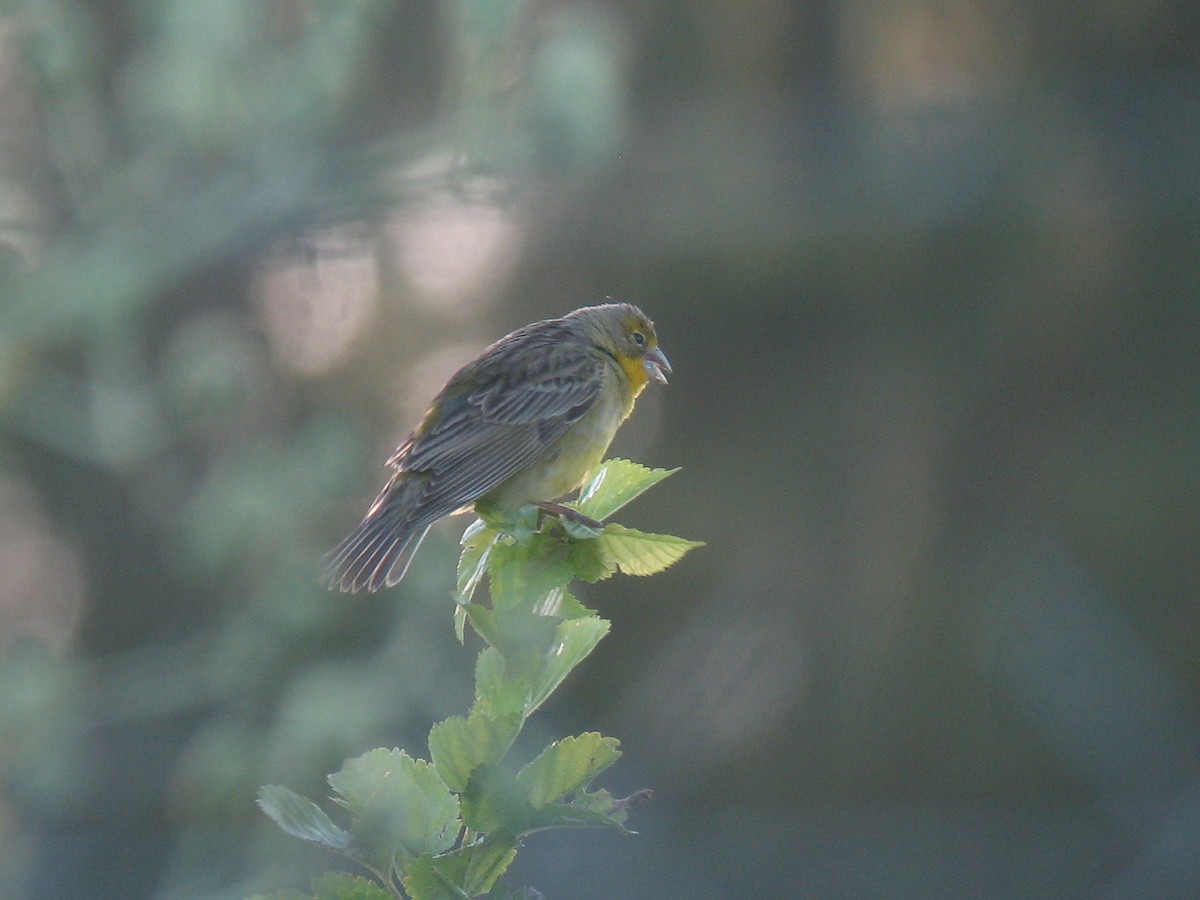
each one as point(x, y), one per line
point(526, 422)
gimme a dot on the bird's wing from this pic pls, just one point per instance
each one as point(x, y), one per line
point(495, 418)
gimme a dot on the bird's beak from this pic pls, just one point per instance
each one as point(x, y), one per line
point(657, 365)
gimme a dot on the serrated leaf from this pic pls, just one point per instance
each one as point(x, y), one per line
point(574, 640)
point(468, 872)
point(507, 685)
point(567, 766)
point(497, 694)
point(457, 745)
point(562, 603)
point(435, 877)
point(301, 818)
point(639, 553)
point(521, 574)
point(616, 483)
point(401, 807)
point(590, 562)
point(489, 673)
point(494, 800)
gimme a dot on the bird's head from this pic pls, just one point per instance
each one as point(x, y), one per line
point(625, 333)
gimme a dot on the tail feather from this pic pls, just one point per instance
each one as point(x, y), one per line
point(379, 562)
point(379, 551)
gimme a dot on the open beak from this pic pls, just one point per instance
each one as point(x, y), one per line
point(657, 365)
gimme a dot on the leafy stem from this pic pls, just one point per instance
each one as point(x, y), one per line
point(451, 826)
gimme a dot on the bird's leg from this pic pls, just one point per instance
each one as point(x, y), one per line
point(570, 515)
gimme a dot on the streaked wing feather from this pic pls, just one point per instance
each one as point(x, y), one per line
point(561, 394)
point(487, 467)
point(486, 436)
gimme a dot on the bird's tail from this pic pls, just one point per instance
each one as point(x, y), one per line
point(378, 552)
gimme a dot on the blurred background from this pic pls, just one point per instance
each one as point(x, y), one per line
point(927, 271)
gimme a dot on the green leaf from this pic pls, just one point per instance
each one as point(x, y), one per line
point(522, 574)
point(579, 530)
point(477, 542)
point(517, 684)
point(562, 603)
point(401, 807)
point(489, 859)
point(616, 483)
point(301, 818)
point(490, 680)
point(568, 815)
point(574, 640)
point(522, 637)
point(497, 693)
point(495, 801)
point(639, 553)
point(508, 674)
point(600, 802)
point(460, 623)
point(344, 886)
point(590, 562)
point(468, 872)
point(507, 892)
point(483, 620)
point(567, 766)
point(458, 745)
point(435, 877)
point(334, 886)
point(594, 809)
point(515, 525)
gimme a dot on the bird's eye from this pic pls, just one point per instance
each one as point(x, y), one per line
point(639, 339)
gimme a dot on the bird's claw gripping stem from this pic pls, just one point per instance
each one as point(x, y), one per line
point(568, 514)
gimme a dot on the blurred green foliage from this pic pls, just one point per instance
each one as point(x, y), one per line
point(927, 275)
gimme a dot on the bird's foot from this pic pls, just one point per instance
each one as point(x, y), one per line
point(584, 526)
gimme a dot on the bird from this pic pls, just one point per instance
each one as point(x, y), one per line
point(527, 421)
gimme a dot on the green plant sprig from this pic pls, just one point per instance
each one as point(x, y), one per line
point(449, 827)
